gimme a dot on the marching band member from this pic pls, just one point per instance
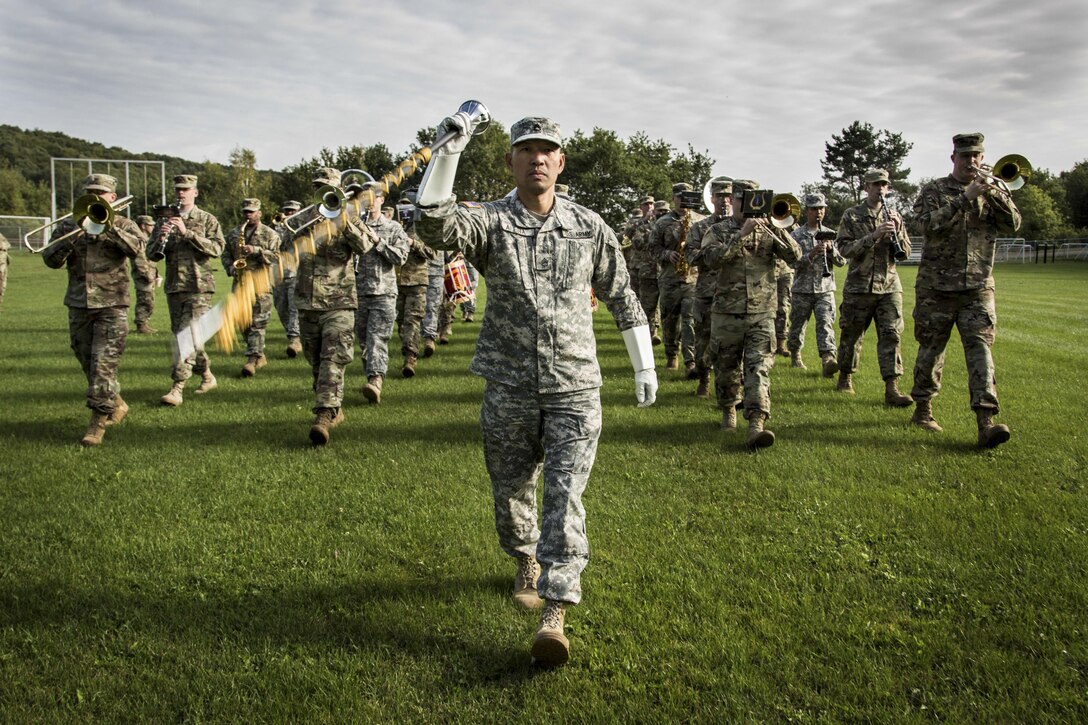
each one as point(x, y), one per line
point(252, 249)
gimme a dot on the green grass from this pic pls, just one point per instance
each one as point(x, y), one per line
point(206, 564)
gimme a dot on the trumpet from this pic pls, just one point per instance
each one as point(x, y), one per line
point(1006, 176)
point(94, 216)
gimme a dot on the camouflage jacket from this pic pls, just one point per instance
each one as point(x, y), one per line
point(810, 273)
point(189, 258)
point(745, 266)
point(645, 261)
point(872, 260)
point(4, 245)
point(960, 235)
point(375, 269)
point(414, 270)
point(537, 331)
point(326, 274)
point(666, 238)
point(265, 238)
point(97, 266)
point(704, 287)
point(287, 264)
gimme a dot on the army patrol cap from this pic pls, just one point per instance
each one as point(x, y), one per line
point(375, 187)
point(185, 181)
point(646, 200)
point(100, 182)
point(721, 187)
point(145, 219)
point(742, 185)
point(661, 205)
point(291, 205)
point(678, 189)
point(327, 175)
point(535, 127)
point(251, 204)
point(876, 175)
point(387, 210)
point(968, 143)
point(815, 201)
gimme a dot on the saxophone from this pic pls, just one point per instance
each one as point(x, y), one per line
point(682, 267)
point(240, 260)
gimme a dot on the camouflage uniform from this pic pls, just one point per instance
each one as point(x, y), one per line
point(955, 285)
point(648, 270)
point(376, 281)
point(97, 301)
point(436, 295)
point(326, 298)
point(541, 408)
point(784, 281)
point(872, 291)
point(742, 327)
point(4, 247)
point(628, 247)
point(412, 293)
point(703, 296)
point(144, 278)
point(259, 262)
point(284, 273)
point(677, 293)
point(190, 281)
point(813, 293)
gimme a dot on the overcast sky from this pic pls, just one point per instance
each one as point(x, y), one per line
point(760, 86)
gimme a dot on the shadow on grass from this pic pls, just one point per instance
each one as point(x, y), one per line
point(433, 621)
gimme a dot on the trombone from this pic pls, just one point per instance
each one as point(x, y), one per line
point(330, 202)
point(785, 209)
point(1006, 176)
point(94, 214)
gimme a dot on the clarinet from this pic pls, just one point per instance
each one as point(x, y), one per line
point(898, 252)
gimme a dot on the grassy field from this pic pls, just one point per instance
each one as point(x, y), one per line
point(206, 564)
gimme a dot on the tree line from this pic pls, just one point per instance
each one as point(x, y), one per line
point(605, 172)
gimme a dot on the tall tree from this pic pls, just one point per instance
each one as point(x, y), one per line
point(860, 147)
point(1075, 182)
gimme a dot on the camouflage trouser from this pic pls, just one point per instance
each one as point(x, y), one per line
point(702, 317)
point(782, 316)
point(677, 319)
point(373, 328)
point(855, 314)
point(632, 274)
point(525, 433)
point(648, 294)
point(262, 314)
point(742, 346)
point(184, 308)
point(3, 274)
point(284, 296)
point(974, 314)
point(98, 340)
point(436, 295)
point(327, 342)
point(411, 306)
point(144, 276)
point(804, 305)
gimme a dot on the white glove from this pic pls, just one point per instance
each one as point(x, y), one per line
point(641, 352)
point(646, 387)
point(457, 123)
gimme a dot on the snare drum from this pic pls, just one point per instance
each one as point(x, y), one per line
point(458, 285)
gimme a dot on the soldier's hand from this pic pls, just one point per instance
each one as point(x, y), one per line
point(646, 387)
point(673, 256)
point(458, 123)
point(976, 188)
point(749, 226)
point(818, 251)
point(179, 224)
point(886, 229)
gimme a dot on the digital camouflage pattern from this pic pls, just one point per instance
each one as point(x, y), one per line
point(813, 293)
point(809, 273)
point(527, 433)
point(413, 271)
point(97, 265)
point(872, 260)
point(955, 285)
point(436, 291)
point(328, 339)
point(960, 235)
point(858, 310)
point(373, 327)
point(375, 269)
point(412, 292)
point(537, 332)
point(190, 259)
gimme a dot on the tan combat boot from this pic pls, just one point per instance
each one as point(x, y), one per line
point(294, 347)
point(831, 365)
point(207, 382)
point(672, 363)
point(173, 398)
point(428, 347)
point(655, 339)
point(703, 391)
point(120, 410)
point(991, 435)
point(250, 368)
point(550, 647)
point(758, 437)
point(846, 384)
point(923, 416)
point(142, 328)
point(372, 391)
point(96, 430)
point(796, 361)
point(691, 370)
point(525, 583)
point(781, 350)
point(409, 369)
point(892, 396)
point(729, 419)
point(326, 420)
